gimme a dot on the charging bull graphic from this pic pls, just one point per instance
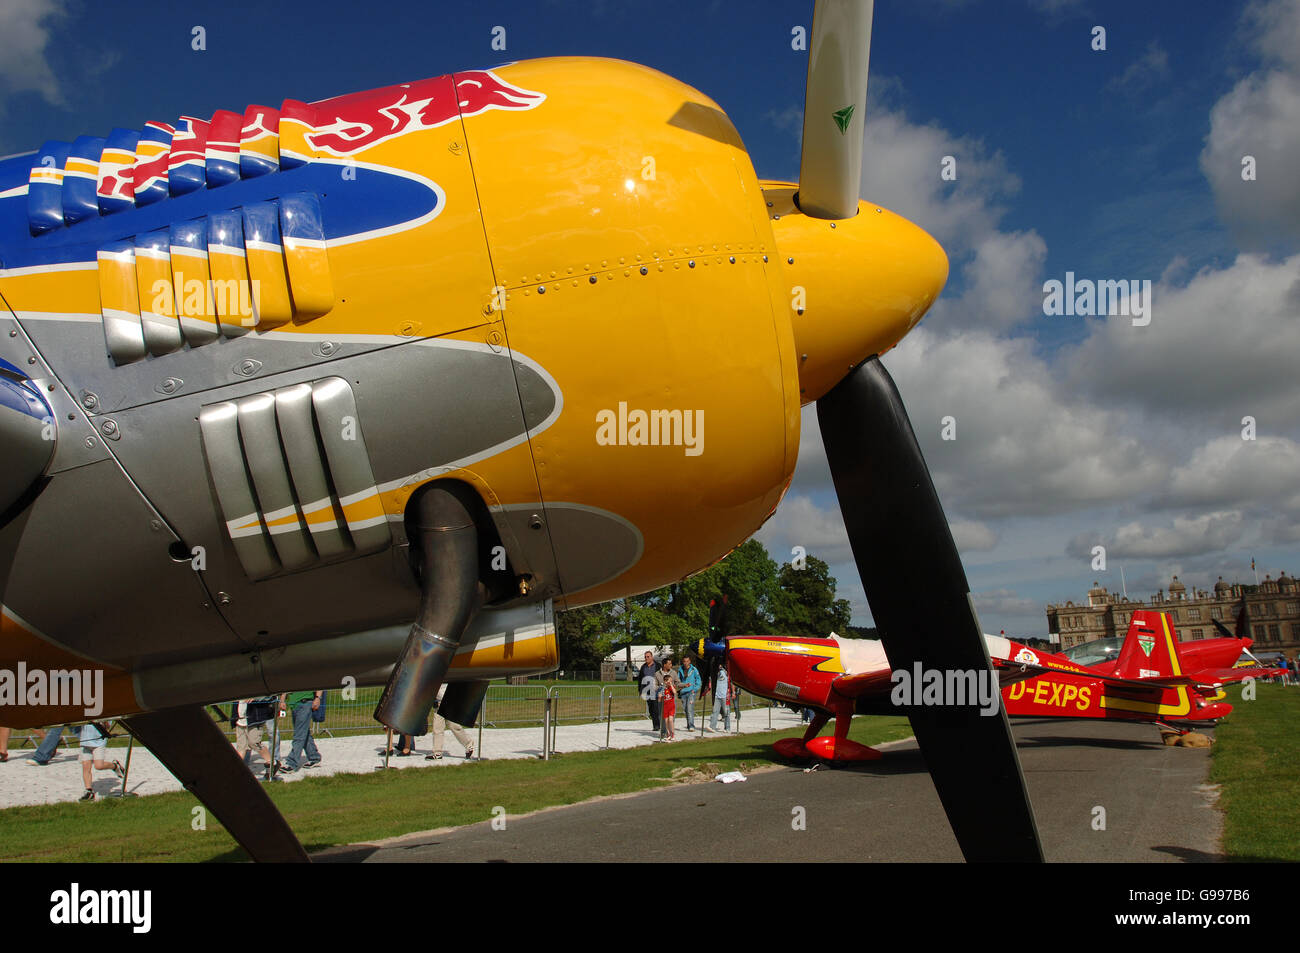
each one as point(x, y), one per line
point(348, 124)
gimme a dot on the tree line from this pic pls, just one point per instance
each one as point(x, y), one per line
point(798, 598)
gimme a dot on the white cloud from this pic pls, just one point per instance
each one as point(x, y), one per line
point(24, 35)
point(1225, 343)
point(1003, 284)
point(972, 535)
point(1260, 117)
point(1276, 29)
point(1188, 536)
point(900, 171)
point(1232, 471)
point(801, 522)
point(1005, 602)
point(1025, 445)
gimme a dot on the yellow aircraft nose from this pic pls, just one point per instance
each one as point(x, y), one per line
point(855, 286)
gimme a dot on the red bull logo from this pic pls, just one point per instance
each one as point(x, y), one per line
point(350, 124)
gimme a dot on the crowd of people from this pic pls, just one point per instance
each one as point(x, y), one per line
point(663, 684)
point(253, 721)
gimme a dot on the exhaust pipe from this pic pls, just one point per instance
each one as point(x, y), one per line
point(450, 596)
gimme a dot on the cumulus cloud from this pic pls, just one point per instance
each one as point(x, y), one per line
point(801, 522)
point(1024, 445)
point(1275, 27)
point(972, 535)
point(1002, 282)
point(24, 36)
point(1187, 536)
point(1260, 117)
point(1224, 343)
point(1232, 471)
point(902, 174)
point(1005, 602)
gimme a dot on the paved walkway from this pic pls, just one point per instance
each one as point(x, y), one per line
point(60, 780)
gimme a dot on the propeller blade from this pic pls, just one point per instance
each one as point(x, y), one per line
point(920, 599)
point(1223, 630)
point(835, 103)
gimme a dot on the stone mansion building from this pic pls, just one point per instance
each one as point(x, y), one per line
point(1272, 612)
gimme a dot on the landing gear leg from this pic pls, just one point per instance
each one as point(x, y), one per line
point(193, 748)
point(815, 726)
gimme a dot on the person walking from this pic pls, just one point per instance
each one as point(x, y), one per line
point(648, 676)
point(440, 726)
point(93, 746)
point(302, 704)
point(247, 718)
point(689, 678)
point(48, 747)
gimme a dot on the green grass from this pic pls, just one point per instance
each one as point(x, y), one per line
point(344, 809)
point(1256, 759)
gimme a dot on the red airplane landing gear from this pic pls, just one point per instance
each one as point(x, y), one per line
point(835, 748)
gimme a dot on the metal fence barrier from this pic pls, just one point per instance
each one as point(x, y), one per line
point(504, 706)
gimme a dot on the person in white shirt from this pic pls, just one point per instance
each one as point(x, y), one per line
point(721, 700)
point(440, 726)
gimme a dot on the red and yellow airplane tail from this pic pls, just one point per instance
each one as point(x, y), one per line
point(1150, 648)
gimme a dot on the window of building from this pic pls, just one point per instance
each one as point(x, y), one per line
point(1275, 632)
point(1198, 633)
point(1216, 612)
point(1194, 615)
point(1293, 608)
point(1259, 631)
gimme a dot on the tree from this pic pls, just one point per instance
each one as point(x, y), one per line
point(747, 577)
point(581, 636)
point(807, 605)
point(760, 601)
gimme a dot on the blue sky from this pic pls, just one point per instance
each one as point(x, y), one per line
point(1111, 164)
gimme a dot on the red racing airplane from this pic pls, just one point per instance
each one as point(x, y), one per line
point(1148, 676)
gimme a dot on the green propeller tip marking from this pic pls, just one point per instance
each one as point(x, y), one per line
point(843, 117)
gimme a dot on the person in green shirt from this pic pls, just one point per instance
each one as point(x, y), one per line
point(301, 705)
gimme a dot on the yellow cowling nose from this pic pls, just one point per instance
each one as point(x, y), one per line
point(855, 286)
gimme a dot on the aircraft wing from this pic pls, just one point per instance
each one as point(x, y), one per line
point(1010, 672)
point(1226, 676)
point(867, 683)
